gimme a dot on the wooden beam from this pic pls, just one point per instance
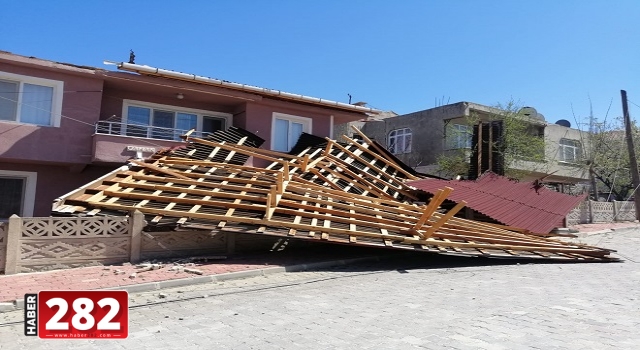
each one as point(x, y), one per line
point(444, 219)
point(158, 169)
point(393, 237)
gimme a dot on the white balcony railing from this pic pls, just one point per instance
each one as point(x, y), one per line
point(145, 131)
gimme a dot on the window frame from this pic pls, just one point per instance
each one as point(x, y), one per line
point(307, 126)
point(29, 194)
point(576, 147)
point(458, 132)
point(56, 96)
point(200, 114)
point(391, 147)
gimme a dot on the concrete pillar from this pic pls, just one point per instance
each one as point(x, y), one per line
point(14, 234)
point(590, 211)
point(615, 211)
point(136, 224)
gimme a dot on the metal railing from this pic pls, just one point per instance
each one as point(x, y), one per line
point(145, 131)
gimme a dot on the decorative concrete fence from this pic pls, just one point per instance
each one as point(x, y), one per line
point(591, 212)
point(39, 244)
point(3, 244)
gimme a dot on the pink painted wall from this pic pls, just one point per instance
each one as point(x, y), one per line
point(71, 142)
point(62, 156)
point(54, 181)
point(113, 101)
point(259, 118)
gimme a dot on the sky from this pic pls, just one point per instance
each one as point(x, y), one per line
point(559, 57)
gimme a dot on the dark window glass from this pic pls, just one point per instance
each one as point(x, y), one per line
point(11, 196)
point(211, 124)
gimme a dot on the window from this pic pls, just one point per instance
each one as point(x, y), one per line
point(399, 141)
point(167, 122)
point(30, 100)
point(286, 130)
point(458, 136)
point(17, 193)
point(570, 151)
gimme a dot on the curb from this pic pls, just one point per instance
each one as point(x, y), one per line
point(607, 231)
point(593, 233)
point(625, 229)
point(18, 304)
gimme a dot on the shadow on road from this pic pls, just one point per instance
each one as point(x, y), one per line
point(374, 259)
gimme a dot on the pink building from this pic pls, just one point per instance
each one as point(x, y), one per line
point(62, 125)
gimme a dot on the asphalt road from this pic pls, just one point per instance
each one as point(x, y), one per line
point(420, 302)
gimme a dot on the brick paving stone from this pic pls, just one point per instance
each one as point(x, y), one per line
point(14, 287)
point(416, 303)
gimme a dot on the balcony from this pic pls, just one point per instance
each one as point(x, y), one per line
point(116, 142)
point(106, 127)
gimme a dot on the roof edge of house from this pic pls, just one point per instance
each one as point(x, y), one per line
point(148, 70)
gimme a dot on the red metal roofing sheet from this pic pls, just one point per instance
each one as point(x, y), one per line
point(510, 202)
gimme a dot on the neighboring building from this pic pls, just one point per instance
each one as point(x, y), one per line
point(62, 125)
point(346, 129)
point(419, 138)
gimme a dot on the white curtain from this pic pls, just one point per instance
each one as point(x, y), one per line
point(294, 135)
point(8, 100)
point(36, 104)
point(184, 123)
point(281, 135)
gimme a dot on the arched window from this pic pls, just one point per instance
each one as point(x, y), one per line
point(399, 141)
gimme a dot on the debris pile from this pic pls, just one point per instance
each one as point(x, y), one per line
point(351, 192)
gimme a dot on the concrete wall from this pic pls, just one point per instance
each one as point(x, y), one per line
point(428, 140)
point(555, 170)
point(573, 172)
point(427, 131)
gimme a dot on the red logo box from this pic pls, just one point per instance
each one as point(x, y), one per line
point(83, 314)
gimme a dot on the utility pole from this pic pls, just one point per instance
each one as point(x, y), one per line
point(632, 152)
point(592, 174)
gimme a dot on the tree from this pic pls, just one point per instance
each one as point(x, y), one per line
point(608, 158)
point(522, 144)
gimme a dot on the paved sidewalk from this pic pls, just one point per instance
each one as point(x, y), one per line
point(608, 226)
point(13, 287)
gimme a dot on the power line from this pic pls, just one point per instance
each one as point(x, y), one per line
point(65, 91)
point(628, 100)
point(76, 120)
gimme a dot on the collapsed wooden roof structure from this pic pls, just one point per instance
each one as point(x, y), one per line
point(351, 192)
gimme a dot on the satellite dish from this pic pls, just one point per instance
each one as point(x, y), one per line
point(564, 122)
point(531, 113)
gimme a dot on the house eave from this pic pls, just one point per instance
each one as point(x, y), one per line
point(147, 70)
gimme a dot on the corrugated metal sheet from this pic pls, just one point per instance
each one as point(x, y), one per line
point(512, 203)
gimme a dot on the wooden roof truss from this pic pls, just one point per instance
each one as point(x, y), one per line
point(343, 193)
